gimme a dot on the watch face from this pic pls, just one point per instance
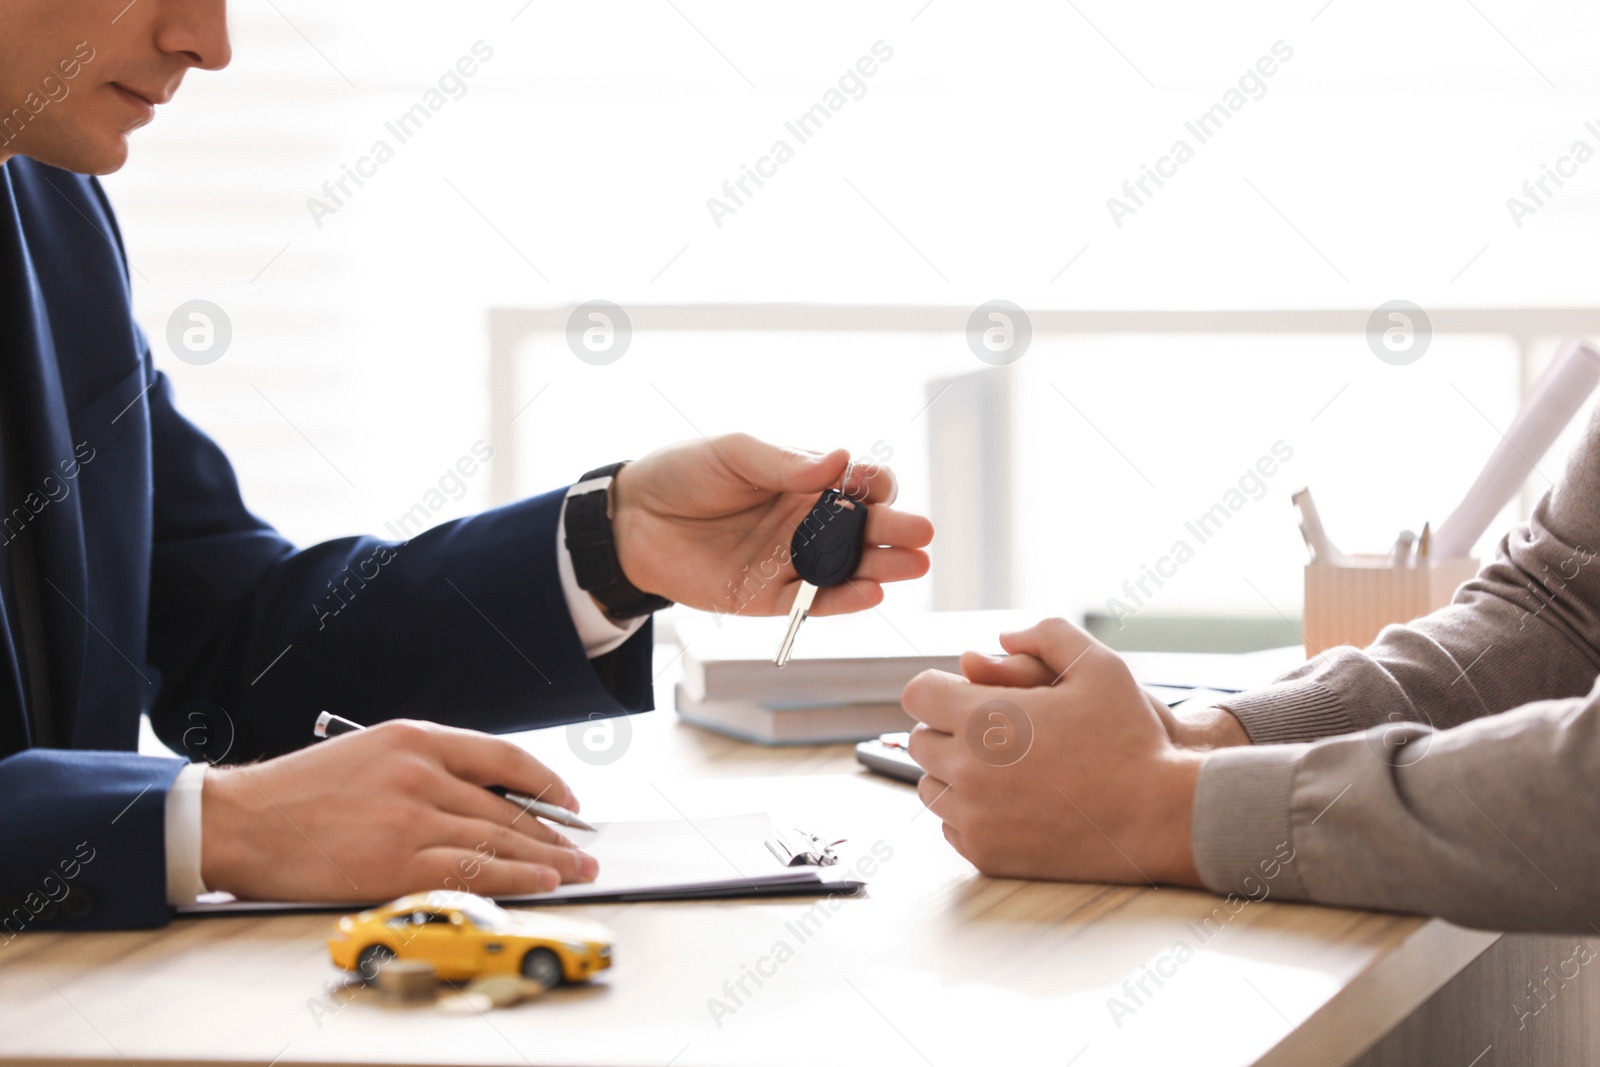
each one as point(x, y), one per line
point(588, 539)
point(594, 555)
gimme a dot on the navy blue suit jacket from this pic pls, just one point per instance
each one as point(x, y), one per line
point(161, 593)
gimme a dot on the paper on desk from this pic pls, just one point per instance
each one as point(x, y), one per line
point(681, 857)
point(668, 859)
point(1224, 672)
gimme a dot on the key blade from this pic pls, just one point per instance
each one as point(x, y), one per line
point(797, 615)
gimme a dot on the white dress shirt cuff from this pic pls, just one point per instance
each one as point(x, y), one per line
point(183, 836)
point(597, 630)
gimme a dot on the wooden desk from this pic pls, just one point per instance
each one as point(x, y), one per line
point(937, 966)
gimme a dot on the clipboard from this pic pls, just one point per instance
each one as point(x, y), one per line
point(721, 858)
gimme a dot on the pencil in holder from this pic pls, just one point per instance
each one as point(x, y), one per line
point(1350, 599)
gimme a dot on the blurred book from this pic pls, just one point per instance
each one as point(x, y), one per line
point(799, 724)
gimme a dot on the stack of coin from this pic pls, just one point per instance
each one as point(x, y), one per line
point(408, 980)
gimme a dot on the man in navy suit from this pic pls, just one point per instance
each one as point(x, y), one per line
point(133, 580)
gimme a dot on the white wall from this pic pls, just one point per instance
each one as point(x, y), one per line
point(977, 165)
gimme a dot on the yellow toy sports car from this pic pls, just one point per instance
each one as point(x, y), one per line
point(464, 936)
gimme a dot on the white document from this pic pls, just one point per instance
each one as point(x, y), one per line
point(668, 859)
point(673, 857)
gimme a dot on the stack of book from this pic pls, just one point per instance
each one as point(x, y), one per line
point(843, 682)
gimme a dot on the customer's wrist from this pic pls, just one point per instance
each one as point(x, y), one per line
point(1175, 787)
point(1209, 727)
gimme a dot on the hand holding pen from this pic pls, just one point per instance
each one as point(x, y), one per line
point(331, 725)
point(399, 808)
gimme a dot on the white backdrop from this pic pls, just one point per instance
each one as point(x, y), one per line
point(975, 163)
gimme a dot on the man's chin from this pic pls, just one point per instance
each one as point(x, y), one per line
point(84, 154)
point(103, 156)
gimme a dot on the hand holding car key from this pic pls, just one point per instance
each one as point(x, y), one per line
point(826, 550)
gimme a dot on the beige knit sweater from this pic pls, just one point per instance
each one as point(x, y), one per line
point(1452, 768)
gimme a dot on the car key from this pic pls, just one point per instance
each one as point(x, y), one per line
point(826, 549)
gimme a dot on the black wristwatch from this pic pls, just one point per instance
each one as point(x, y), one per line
point(594, 550)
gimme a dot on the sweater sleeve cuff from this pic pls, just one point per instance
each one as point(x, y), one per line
point(1242, 832)
point(1289, 712)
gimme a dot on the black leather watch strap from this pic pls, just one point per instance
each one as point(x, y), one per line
point(594, 551)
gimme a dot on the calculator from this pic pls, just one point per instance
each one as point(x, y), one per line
point(887, 755)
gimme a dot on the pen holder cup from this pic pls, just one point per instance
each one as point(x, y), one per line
point(1348, 602)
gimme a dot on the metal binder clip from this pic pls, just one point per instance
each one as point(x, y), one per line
point(795, 848)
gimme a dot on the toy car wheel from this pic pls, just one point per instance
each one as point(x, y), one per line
point(372, 957)
point(543, 966)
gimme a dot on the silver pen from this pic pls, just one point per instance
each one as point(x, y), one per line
point(331, 725)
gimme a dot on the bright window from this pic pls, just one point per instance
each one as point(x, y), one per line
point(976, 161)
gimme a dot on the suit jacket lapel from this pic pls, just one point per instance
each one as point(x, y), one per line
point(38, 412)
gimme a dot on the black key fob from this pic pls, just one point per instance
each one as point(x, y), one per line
point(826, 546)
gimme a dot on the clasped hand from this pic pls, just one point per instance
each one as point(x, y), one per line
point(1052, 762)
